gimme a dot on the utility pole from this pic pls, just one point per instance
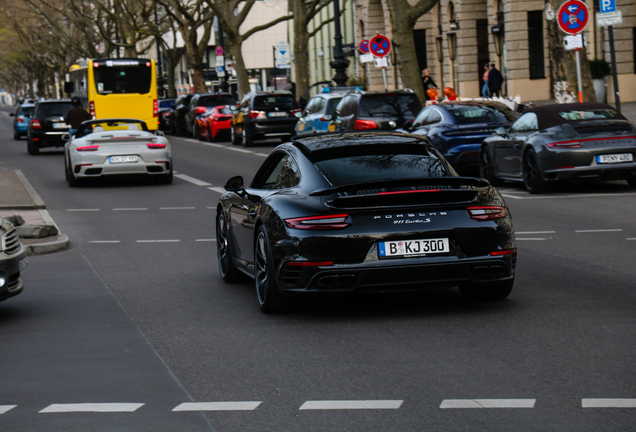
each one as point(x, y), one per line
point(339, 63)
point(159, 61)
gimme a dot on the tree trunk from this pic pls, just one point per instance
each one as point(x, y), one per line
point(171, 64)
point(301, 48)
point(563, 70)
point(242, 77)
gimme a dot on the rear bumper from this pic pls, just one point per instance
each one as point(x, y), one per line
point(104, 169)
point(48, 139)
point(271, 130)
point(619, 171)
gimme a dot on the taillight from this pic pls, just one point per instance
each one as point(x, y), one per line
point(365, 124)
point(155, 108)
point(319, 222)
point(409, 191)
point(294, 111)
point(156, 146)
point(487, 212)
point(566, 144)
point(35, 124)
point(254, 114)
point(20, 119)
point(200, 110)
point(309, 263)
point(88, 148)
point(91, 108)
point(503, 252)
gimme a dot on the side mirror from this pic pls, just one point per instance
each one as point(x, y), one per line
point(327, 117)
point(66, 136)
point(408, 126)
point(235, 184)
point(501, 132)
point(159, 133)
point(11, 114)
point(337, 112)
point(69, 87)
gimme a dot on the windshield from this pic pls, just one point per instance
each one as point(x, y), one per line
point(213, 101)
point(54, 109)
point(589, 114)
point(269, 102)
point(225, 111)
point(392, 105)
point(122, 76)
point(467, 114)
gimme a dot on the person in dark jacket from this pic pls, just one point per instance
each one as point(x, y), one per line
point(76, 115)
point(495, 80)
point(428, 82)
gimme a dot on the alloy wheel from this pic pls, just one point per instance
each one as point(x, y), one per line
point(261, 267)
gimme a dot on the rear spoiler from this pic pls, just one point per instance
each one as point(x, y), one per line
point(122, 138)
point(455, 182)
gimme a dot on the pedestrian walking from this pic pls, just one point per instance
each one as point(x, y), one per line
point(76, 115)
point(428, 82)
point(485, 91)
point(495, 80)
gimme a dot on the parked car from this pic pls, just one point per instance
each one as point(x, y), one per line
point(216, 122)
point(107, 147)
point(361, 110)
point(21, 120)
point(165, 109)
point(264, 115)
point(177, 115)
point(551, 143)
point(12, 261)
point(47, 125)
point(319, 112)
point(457, 129)
point(199, 105)
point(363, 212)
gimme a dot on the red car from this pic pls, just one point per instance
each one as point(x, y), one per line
point(216, 122)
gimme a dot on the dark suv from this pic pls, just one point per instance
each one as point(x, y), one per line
point(200, 104)
point(376, 111)
point(264, 115)
point(47, 125)
point(177, 116)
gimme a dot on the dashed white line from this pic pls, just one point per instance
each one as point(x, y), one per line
point(608, 403)
point(192, 180)
point(6, 408)
point(487, 403)
point(599, 230)
point(261, 154)
point(217, 406)
point(130, 209)
point(205, 240)
point(351, 404)
point(177, 208)
point(631, 238)
point(105, 241)
point(82, 210)
point(236, 149)
point(535, 232)
point(217, 189)
point(533, 238)
point(92, 407)
point(157, 241)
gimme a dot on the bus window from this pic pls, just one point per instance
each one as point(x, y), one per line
point(122, 79)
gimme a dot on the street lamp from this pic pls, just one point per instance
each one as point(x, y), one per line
point(452, 54)
point(497, 37)
point(339, 63)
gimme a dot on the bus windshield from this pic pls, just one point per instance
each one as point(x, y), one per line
point(122, 76)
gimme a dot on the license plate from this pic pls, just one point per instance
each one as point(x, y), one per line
point(60, 126)
point(123, 159)
point(615, 158)
point(413, 248)
point(277, 114)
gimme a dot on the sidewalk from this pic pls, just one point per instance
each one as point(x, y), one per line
point(21, 204)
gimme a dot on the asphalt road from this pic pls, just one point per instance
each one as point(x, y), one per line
point(136, 313)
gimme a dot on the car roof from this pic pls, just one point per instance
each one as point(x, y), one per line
point(548, 115)
point(310, 145)
point(52, 101)
point(27, 105)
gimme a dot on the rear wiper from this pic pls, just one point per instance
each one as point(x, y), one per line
point(428, 181)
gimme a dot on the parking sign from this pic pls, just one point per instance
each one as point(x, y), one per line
point(608, 5)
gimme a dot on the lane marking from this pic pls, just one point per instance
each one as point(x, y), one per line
point(535, 238)
point(6, 408)
point(217, 406)
point(105, 241)
point(608, 403)
point(217, 189)
point(536, 232)
point(631, 238)
point(240, 150)
point(487, 403)
point(192, 180)
point(130, 209)
point(92, 407)
point(598, 230)
point(157, 241)
point(205, 240)
point(567, 196)
point(177, 208)
point(211, 207)
point(82, 210)
point(261, 154)
point(351, 404)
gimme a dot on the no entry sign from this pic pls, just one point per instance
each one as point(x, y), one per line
point(573, 16)
point(364, 46)
point(380, 45)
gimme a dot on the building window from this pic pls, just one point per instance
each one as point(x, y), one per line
point(535, 44)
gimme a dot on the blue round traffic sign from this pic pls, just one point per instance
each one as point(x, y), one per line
point(364, 46)
point(573, 16)
point(380, 45)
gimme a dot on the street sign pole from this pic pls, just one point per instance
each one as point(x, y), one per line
point(617, 98)
point(572, 17)
point(578, 75)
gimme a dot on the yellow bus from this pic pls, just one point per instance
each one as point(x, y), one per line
point(116, 88)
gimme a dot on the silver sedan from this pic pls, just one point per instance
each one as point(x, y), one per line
point(106, 147)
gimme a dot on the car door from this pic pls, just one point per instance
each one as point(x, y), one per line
point(518, 135)
point(317, 113)
point(306, 125)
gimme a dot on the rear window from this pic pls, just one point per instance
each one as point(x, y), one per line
point(26, 111)
point(166, 103)
point(479, 114)
point(54, 109)
point(376, 164)
point(285, 102)
point(212, 101)
point(397, 105)
point(225, 111)
point(122, 76)
point(589, 114)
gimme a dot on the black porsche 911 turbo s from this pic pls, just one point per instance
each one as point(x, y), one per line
point(363, 212)
point(558, 142)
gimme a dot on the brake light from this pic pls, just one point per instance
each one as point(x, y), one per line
point(155, 108)
point(200, 110)
point(309, 263)
point(88, 148)
point(409, 191)
point(365, 124)
point(91, 108)
point(35, 124)
point(294, 111)
point(566, 144)
point(156, 146)
point(487, 212)
point(20, 119)
point(255, 114)
point(319, 222)
point(503, 252)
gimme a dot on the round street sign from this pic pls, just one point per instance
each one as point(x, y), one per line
point(572, 16)
point(380, 45)
point(219, 51)
point(364, 46)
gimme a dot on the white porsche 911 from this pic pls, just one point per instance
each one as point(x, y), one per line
point(116, 147)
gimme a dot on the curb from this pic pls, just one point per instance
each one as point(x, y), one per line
point(61, 242)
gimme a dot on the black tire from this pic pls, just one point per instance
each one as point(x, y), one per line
point(197, 132)
point(234, 137)
point(32, 148)
point(486, 168)
point(210, 139)
point(269, 298)
point(532, 177)
point(165, 178)
point(488, 291)
point(248, 141)
point(70, 178)
point(16, 136)
point(631, 181)
point(228, 271)
point(173, 129)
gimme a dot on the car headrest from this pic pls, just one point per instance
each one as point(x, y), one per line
point(98, 129)
point(133, 127)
